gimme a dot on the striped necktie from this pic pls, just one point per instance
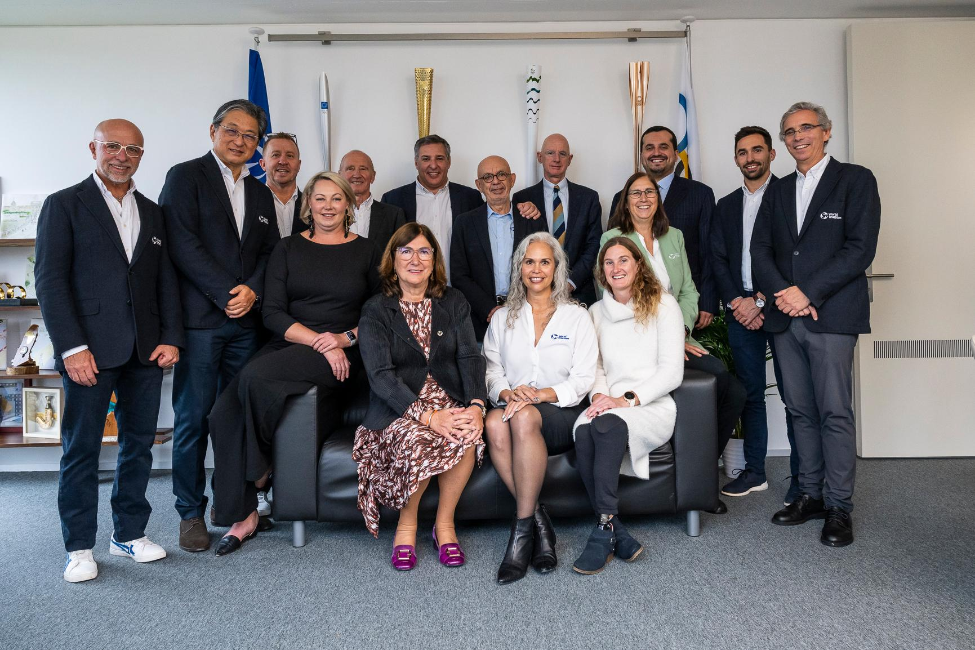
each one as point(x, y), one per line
point(558, 218)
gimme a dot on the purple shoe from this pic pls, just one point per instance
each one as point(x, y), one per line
point(450, 554)
point(404, 557)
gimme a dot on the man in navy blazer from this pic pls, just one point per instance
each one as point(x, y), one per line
point(222, 227)
point(108, 294)
point(689, 205)
point(815, 236)
point(731, 233)
point(281, 161)
point(484, 240)
point(581, 224)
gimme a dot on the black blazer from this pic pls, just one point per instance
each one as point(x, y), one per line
point(209, 255)
point(397, 367)
point(585, 226)
point(384, 220)
point(727, 233)
point(829, 258)
point(462, 199)
point(472, 263)
point(297, 225)
point(689, 205)
point(89, 292)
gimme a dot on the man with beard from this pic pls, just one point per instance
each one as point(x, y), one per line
point(282, 162)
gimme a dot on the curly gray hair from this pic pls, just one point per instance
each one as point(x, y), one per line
point(821, 117)
point(561, 290)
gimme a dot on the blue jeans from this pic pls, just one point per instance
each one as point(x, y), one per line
point(748, 349)
point(211, 360)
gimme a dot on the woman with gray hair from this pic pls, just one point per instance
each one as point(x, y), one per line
point(541, 356)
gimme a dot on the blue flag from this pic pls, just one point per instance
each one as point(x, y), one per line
point(257, 93)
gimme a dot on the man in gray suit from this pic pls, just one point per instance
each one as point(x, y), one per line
point(374, 220)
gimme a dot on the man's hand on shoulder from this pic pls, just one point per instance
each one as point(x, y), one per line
point(528, 210)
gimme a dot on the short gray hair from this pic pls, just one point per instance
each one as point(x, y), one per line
point(433, 138)
point(561, 290)
point(248, 107)
point(820, 112)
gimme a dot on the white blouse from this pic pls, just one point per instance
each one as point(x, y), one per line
point(657, 263)
point(564, 359)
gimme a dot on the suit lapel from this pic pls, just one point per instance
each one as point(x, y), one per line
point(483, 236)
point(250, 210)
point(678, 188)
point(212, 172)
point(789, 196)
point(399, 325)
point(826, 184)
point(92, 197)
point(409, 203)
point(537, 196)
point(376, 216)
point(146, 225)
point(439, 322)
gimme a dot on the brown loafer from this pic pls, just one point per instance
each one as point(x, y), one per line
point(193, 535)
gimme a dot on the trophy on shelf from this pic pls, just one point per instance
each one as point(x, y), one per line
point(22, 363)
point(639, 85)
point(424, 98)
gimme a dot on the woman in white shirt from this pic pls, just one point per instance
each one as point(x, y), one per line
point(541, 362)
point(641, 360)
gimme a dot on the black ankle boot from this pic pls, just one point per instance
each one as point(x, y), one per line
point(598, 551)
point(543, 557)
point(627, 548)
point(519, 551)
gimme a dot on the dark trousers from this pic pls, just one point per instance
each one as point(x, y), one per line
point(731, 395)
point(600, 447)
point(83, 423)
point(210, 361)
point(246, 415)
point(817, 369)
point(748, 349)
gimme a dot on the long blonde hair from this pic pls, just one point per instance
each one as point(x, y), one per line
point(646, 290)
point(561, 291)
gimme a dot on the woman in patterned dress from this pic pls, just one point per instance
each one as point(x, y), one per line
point(427, 395)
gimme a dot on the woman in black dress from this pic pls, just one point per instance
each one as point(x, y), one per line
point(316, 284)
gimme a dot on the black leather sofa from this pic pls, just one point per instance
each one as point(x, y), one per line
point(315, 478)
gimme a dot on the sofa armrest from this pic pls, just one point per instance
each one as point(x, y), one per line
point(297, 442)
point(695, 442)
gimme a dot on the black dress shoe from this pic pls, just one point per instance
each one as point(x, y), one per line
point(543, 556)
point(800, 511)
point(519, 552)
point(838, 529)
point(264, 524)
point(719, 509)
point(230, 543)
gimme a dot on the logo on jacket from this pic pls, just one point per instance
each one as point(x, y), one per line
point(830, 215)
point(559, 337)
point(673, 256)
point(156, 241)
point(262, 220)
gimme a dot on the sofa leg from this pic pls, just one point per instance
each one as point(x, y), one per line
point(693, 523)
point(298, 534)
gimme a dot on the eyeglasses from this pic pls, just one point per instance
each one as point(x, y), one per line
point(501, 176)
point(131, 150)
point(788, 134)
point(406, 253)
point(649, 193)
point(250, 138)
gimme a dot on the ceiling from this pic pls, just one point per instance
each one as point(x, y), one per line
point(268, 12)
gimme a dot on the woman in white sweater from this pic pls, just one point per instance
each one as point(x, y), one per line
point(541, 362)
point(641, 360)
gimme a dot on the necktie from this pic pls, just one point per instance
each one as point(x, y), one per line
point(558, 219)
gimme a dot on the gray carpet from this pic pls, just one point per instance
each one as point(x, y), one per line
point(907, 582)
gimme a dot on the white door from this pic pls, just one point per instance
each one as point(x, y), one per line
point(912, 121)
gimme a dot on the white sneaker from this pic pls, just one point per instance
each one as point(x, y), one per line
point(140, 550)
point(263, 504)
point(80, 566)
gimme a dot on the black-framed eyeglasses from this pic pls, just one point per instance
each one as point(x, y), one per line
point(406, 253)
point(131, 150)
point(788, 134)
point(250, 138)
point(501, 176)
point(649, 193)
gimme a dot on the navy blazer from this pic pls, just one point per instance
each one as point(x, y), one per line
point(727, 241)
point(828, 259)
point(384, 220)
point(689, 206)
point(462, 199)
point(585, 227)
point(472, 263)
point(210, 257)
point(89, 292)
point(397, 367)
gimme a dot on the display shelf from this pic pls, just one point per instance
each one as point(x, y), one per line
point(16, 243)
point(16, 439)
point(50, 374)
point(20, 307)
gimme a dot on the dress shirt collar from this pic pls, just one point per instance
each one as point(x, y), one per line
point(550, 186)
point(294, 196)
point(664, 185)
point(498, 215)
point(226, 172)
point(422, 190)
point(760, 190)
point(816, 171)
point(365, 205)
point(107, 193)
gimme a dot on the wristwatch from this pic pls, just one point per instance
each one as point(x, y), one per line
point(480, 406)
point(630, 397)
point(759, 303)
point(352, 337)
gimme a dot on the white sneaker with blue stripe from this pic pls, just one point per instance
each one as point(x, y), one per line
point(80, 566)
point(140, 550)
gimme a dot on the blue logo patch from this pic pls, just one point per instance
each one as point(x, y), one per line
point(324, 106)
point(559, 337)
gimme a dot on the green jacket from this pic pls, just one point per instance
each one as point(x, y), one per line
point(675, 261)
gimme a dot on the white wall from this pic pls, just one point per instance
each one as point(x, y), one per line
point(57, 83)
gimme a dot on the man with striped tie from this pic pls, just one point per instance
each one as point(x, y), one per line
point(573, 214)
point(483, 241)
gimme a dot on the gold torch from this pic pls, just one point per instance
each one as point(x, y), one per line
point(424, 96)
point(639, 84)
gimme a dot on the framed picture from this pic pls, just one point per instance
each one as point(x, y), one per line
point(18, 215)
point(43, 408)
point(11, 404)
